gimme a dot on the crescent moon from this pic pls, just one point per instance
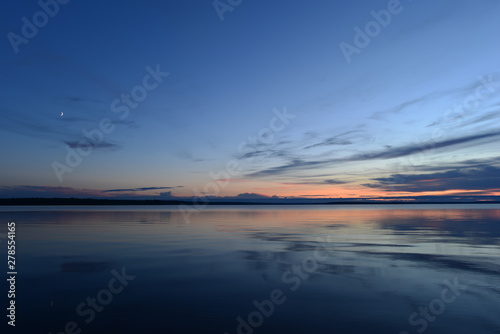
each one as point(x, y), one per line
point(62, 113)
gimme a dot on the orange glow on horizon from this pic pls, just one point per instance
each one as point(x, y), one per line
point(310, 192)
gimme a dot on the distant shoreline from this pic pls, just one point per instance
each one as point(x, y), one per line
point(121, 202)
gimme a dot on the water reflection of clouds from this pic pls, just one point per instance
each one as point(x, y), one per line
point(450, 240)
point(477, 230)
point(379, 265)
point(439, 261)
point(88, 217)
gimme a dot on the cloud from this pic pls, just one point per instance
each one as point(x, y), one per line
point(293, 165)
point(136, 189)
point(397, 152)
point(388, 153)
point(460, 118)
point(250, 196)
point(335, 140)
point(264, 153)
point(464, 91)
point(278, 148)
point(24, 191)
point(483, 118)
point(166, 194)
point(333, 181)
point(459, 165)
point(87, 144)
point(380, 115)
point(457, 114)
point(51, 129)
point(471, 178)
point(323, 195)
point(319, 182)
point(343, 139)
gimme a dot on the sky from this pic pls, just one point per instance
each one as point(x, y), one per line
point(313, 99)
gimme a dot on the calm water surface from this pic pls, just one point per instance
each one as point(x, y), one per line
point(257, 269)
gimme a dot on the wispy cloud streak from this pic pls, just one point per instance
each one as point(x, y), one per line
point(136, 189)
point(389, 153)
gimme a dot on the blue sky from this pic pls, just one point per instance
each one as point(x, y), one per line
point(415, 111)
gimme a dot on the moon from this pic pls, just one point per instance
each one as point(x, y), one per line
point(62, 113)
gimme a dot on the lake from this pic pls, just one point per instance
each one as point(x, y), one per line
point(256, 269)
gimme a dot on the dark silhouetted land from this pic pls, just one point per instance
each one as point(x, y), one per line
point(94, 201)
